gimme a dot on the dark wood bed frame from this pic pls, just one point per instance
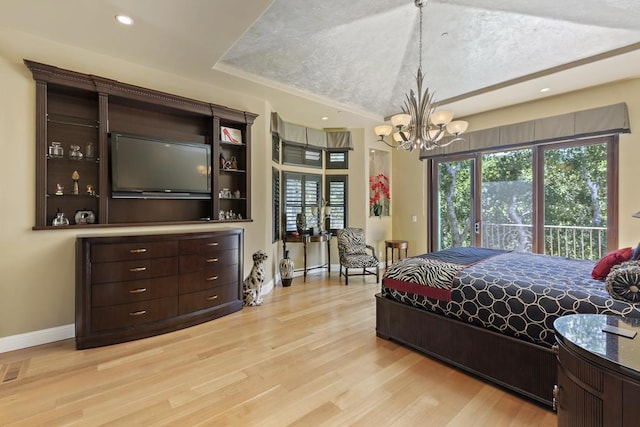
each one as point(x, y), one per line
point(527, 369)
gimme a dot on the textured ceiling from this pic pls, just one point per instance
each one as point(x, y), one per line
point(365, 53)
point(356, 55)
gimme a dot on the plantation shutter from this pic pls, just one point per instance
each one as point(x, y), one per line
point(337, 198)
point(292, 200)
point(301, 194)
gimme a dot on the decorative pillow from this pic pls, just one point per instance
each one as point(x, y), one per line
point(603, 267)
point(636, 253)
point(623, 282)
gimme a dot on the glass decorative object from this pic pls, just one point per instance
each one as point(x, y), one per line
point(60, 219)
point(56, 150)
point(91, 150)
point(286, 270)
point(75, 153)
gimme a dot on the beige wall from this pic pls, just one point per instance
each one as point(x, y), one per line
point(409, 185)
point(37, 267)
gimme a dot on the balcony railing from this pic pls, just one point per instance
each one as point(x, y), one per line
point(561, 240)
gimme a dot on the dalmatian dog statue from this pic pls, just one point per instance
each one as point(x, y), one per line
point(252, 287)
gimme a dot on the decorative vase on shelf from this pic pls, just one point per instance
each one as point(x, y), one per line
point(286, 270)
point(377, 210)
point(301, 223)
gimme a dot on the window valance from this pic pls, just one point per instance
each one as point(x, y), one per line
point(607, 120)
point(307, 137)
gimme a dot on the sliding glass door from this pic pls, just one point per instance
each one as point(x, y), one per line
point(454, 203)
point(506, 217)
point(575, 201)
point(553, 199)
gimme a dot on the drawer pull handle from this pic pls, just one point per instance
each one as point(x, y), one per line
point(138, 251)
point(212, 278)
point(212, 244)
point(136, 269)
point(212, 297)
point(138, 313)
point(138, 291)
point(212, 260)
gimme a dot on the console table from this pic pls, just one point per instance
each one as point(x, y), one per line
point(598, 372)
point(305, 239)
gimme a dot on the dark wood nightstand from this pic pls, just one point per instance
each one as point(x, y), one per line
point(598, 372)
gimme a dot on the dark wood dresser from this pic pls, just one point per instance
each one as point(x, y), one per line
point(131, 287)
point(598, 372)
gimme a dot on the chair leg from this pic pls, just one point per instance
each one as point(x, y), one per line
point(377, 274)
point(346, 276)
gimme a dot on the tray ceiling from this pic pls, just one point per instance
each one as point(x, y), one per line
point(358, 54)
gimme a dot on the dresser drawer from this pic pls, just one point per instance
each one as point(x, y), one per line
point(208, 298)
point(123, 315)
point(105, 272)
point(197, 262)
point(207, 244)
point(133, 290)
point(211, 276)
point(133, 251)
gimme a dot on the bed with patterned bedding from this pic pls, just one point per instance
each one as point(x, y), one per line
point(498, 306)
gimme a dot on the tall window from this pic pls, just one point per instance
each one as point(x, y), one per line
point(553, 199)
point(336, 195)
point(301, 193)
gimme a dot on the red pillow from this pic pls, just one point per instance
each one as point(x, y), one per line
point(610, 260)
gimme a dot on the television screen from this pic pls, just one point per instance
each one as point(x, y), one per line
point(143, 167)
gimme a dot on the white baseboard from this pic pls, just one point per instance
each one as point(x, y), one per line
point(30, 339)
point(267, 287)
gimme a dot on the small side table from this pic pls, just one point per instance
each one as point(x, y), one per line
point(395, 244)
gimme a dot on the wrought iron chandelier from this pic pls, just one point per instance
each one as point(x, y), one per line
point(420, 126)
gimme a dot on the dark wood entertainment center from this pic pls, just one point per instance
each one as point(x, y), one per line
point(81, 110)
point(135, 286)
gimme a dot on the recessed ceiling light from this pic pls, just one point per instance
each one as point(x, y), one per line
point(545, 89)
point(124, 19)
point(325, 118)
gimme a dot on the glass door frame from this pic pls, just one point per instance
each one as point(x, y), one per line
point(433, 241)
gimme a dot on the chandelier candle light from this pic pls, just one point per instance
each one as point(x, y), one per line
point(420, 126)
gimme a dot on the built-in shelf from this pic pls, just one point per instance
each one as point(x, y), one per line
point(77, 109)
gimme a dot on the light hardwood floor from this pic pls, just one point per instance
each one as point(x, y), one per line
point(308, 356)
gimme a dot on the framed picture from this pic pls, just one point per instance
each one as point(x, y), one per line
point(231, 135)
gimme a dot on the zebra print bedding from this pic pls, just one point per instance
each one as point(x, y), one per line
point(431, 275)
point(515, 293)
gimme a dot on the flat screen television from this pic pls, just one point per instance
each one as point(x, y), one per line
point(144, 167)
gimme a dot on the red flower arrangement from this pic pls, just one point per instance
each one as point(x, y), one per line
point(379, 194)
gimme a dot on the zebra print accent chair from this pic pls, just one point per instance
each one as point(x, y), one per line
point(352, 249)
